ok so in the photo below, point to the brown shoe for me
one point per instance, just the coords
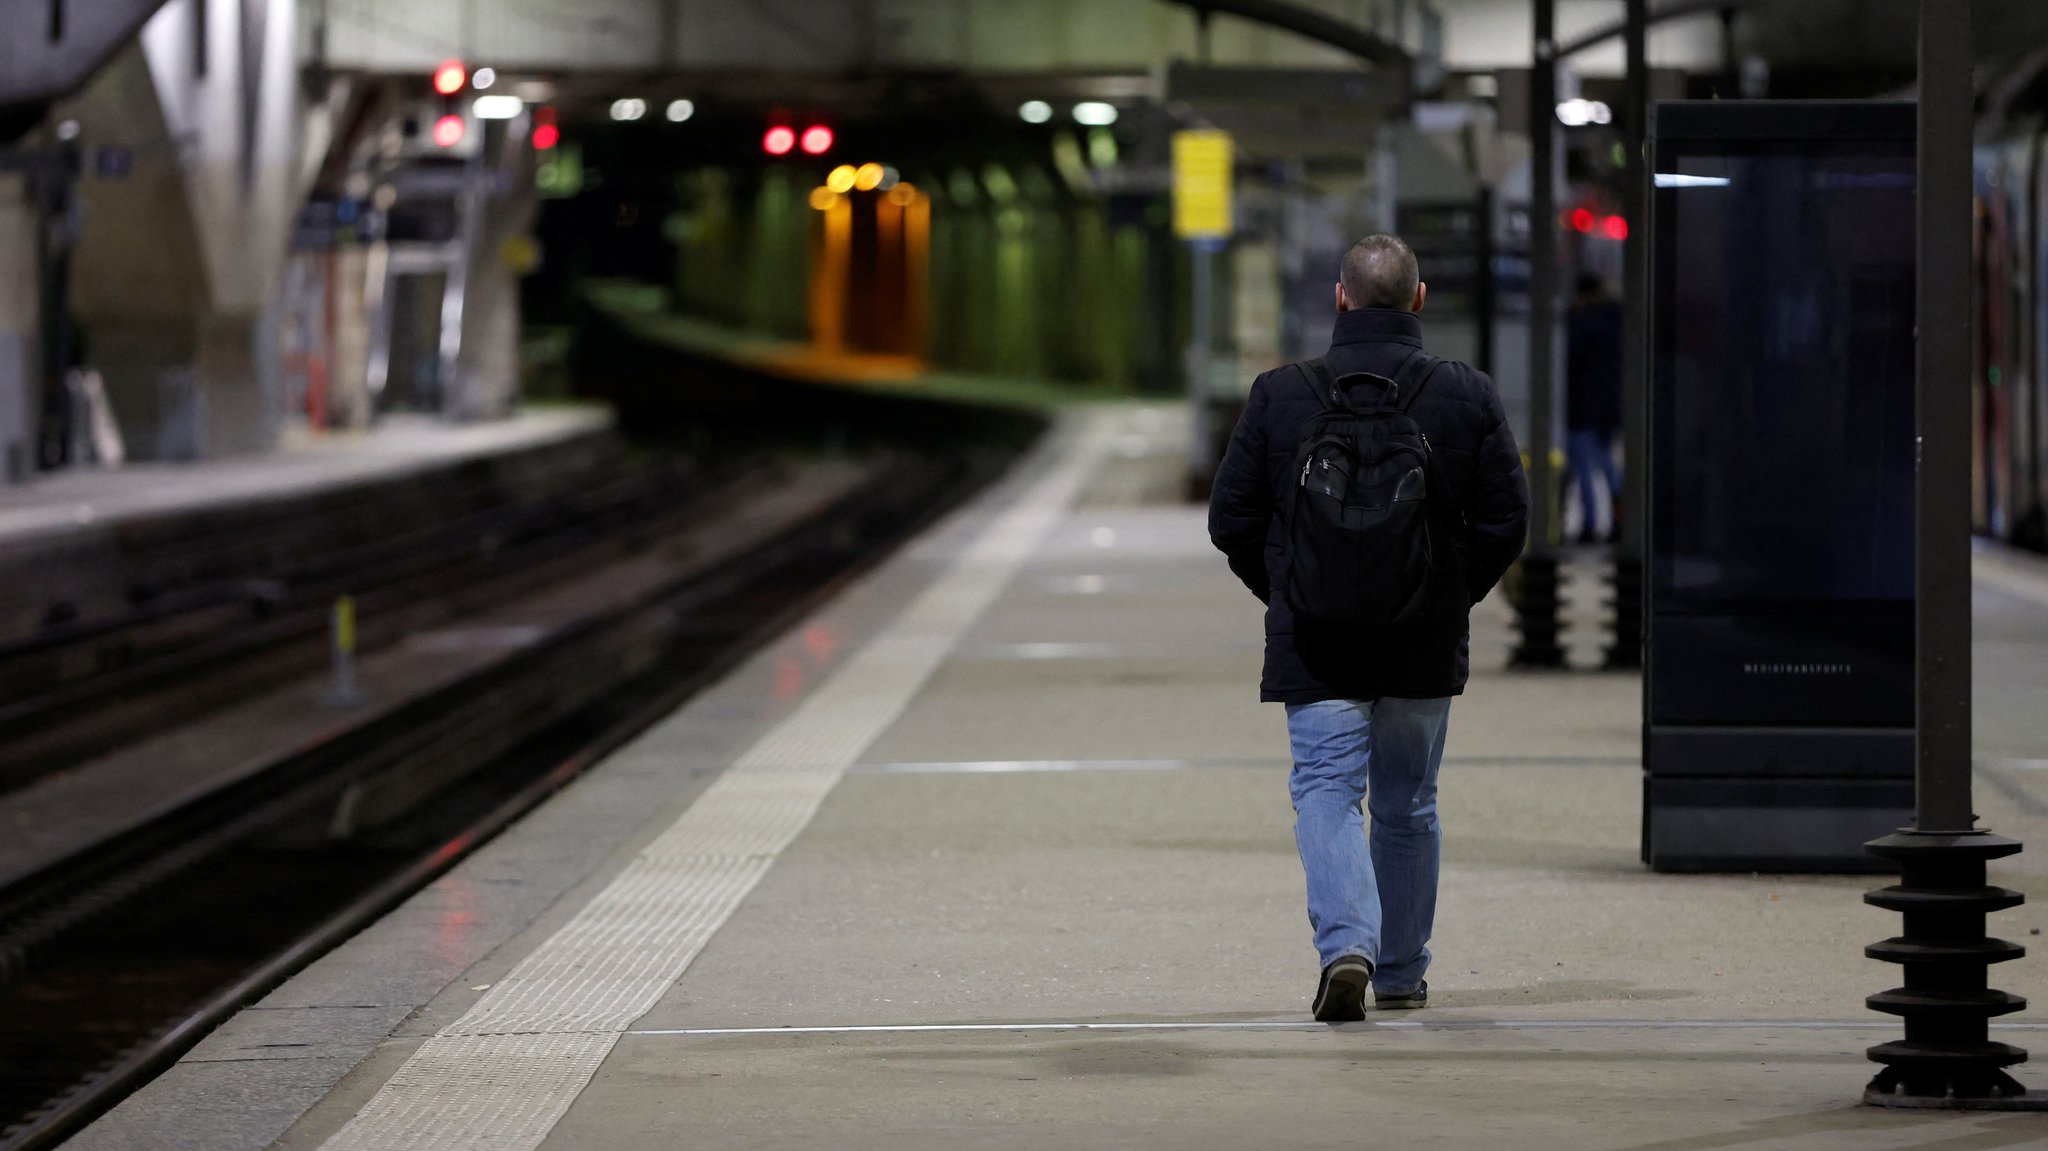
(1340, 997)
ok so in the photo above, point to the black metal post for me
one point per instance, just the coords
(1947, 1059)
(1942, 635)
(1731, 63)
(53, 181)
(1485, 289)
(1634, 505)
(1536, 588)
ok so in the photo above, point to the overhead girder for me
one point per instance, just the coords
(50, 48)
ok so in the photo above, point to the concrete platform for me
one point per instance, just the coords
(303, 464)
(995, 851)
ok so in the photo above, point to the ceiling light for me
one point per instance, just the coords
(1094, 113)
(1576, 113)
(497, 107)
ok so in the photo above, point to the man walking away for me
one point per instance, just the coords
(1369, 497)
(1592, 400)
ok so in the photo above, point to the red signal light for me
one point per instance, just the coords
(546, 136)
(450, 77)
(448, 130)
(1582, 220)
(817, 139)
(779, 140)
(1614, 228)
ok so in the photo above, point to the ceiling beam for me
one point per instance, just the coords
(1305, 21)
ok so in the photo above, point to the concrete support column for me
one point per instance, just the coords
(488, 378)
(229, 375)
(500, 247)
(19, 317)
(348, 381)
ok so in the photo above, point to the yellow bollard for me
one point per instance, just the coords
(343, 692)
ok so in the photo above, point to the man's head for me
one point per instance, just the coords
(1380, 272)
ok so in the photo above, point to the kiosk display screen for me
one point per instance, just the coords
(1781, 565)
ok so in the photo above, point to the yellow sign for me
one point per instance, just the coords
(1201, 185)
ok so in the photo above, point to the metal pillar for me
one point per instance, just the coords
(1202, 458)
(1634, 508)
(1485, 290)
(53, 186)
(1535, 599)
(1731, 61)
(1947, 1059)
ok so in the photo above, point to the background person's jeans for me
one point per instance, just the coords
(1381, 902)
(1592, 453)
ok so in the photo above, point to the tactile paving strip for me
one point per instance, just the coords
(501, 1076)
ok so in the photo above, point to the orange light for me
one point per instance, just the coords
(817, 140)
(1614, 228)
(779, 140)
(823, 197)
(869, 177)
(902, 195)
(448, 130)
(1582, 220)
(546, 136)
(450, 77)
(841, 179)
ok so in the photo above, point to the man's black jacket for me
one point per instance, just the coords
(1476, 488)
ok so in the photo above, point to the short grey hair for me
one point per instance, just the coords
(1380, 272)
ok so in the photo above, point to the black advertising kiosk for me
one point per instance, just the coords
(1778, 693)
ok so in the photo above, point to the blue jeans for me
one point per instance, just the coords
(1376, 900)
(1592, 453)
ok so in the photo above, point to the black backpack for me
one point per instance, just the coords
(1359, 547)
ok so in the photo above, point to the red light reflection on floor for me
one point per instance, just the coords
(819, 643)
(454, 929)
(789, 678)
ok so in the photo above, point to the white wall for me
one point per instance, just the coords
(411, 35)
(1482, 34)
(985, 35)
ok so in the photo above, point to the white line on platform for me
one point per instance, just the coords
(1045, 650)
(1399, 1024)
(1008, 766)
(1014, 766)
(502, 1076)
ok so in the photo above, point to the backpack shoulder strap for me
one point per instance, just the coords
(1412, 377)
(1321, 383)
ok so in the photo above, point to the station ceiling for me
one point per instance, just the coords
(1091, 37)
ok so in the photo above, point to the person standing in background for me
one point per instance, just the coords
(1593, 369)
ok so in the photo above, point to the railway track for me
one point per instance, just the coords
(116, 960)
(204, 630)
